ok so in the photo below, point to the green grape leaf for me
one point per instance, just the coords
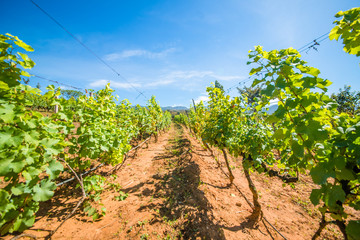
(353, 229)
(49, 144)
(32, 137)
(27, 63)
(279, 133)
(313, 71)
(4, 200)
(17, 165)
(18, 189)
(345, 174)
(280, 112)
(7, 113)
(334, 194)
(255, 70)
(54, 169)
(257, 81)
(6, 138)
(272, 119)
(5, 166)
(315, 196)
(297, 149)
(45, 191)
(21, 43)
(334, 35)
(280, 82)
(269, 90)
(320, 173)
(24, 221)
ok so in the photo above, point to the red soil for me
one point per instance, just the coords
(177, 191)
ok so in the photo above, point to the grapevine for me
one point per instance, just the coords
(306, 131)
(32, 145)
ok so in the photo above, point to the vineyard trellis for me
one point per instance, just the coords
(306, 131)
(34, 148)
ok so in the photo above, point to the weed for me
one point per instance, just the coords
(145, 236)
(304, 205)
(142, 223)
(122, 196)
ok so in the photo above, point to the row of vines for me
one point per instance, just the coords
(37, 151)
(305, 134)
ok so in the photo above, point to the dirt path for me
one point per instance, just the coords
(177, 191)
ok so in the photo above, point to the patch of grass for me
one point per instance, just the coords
(305, 205)
(145, 236)
(122, 196)
(142, 223)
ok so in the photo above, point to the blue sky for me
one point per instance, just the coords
(173, 49)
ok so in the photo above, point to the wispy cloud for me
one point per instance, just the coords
(202, 75)
(139, 53)
(114, 84)
(163, 82)
(185, 80)
(124, 85)
(188, 74)
(194, 80)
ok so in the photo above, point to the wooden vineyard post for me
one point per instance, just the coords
(194, 105)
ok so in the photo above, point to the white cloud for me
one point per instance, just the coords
(138, 53)
(124, 85)
(113, 84)
(227, 78)
(201, 75)
(185, 80)
(193, 80)
(177, 105)
(159, 83)
(273, 102)
(201, 98)
(188, 74)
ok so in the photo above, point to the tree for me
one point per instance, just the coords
(219, 86)
(348, 101)
(251, 93)
(67, 94)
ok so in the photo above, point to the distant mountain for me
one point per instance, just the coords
(174, 108)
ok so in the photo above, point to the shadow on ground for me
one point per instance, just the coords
(184, 207)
